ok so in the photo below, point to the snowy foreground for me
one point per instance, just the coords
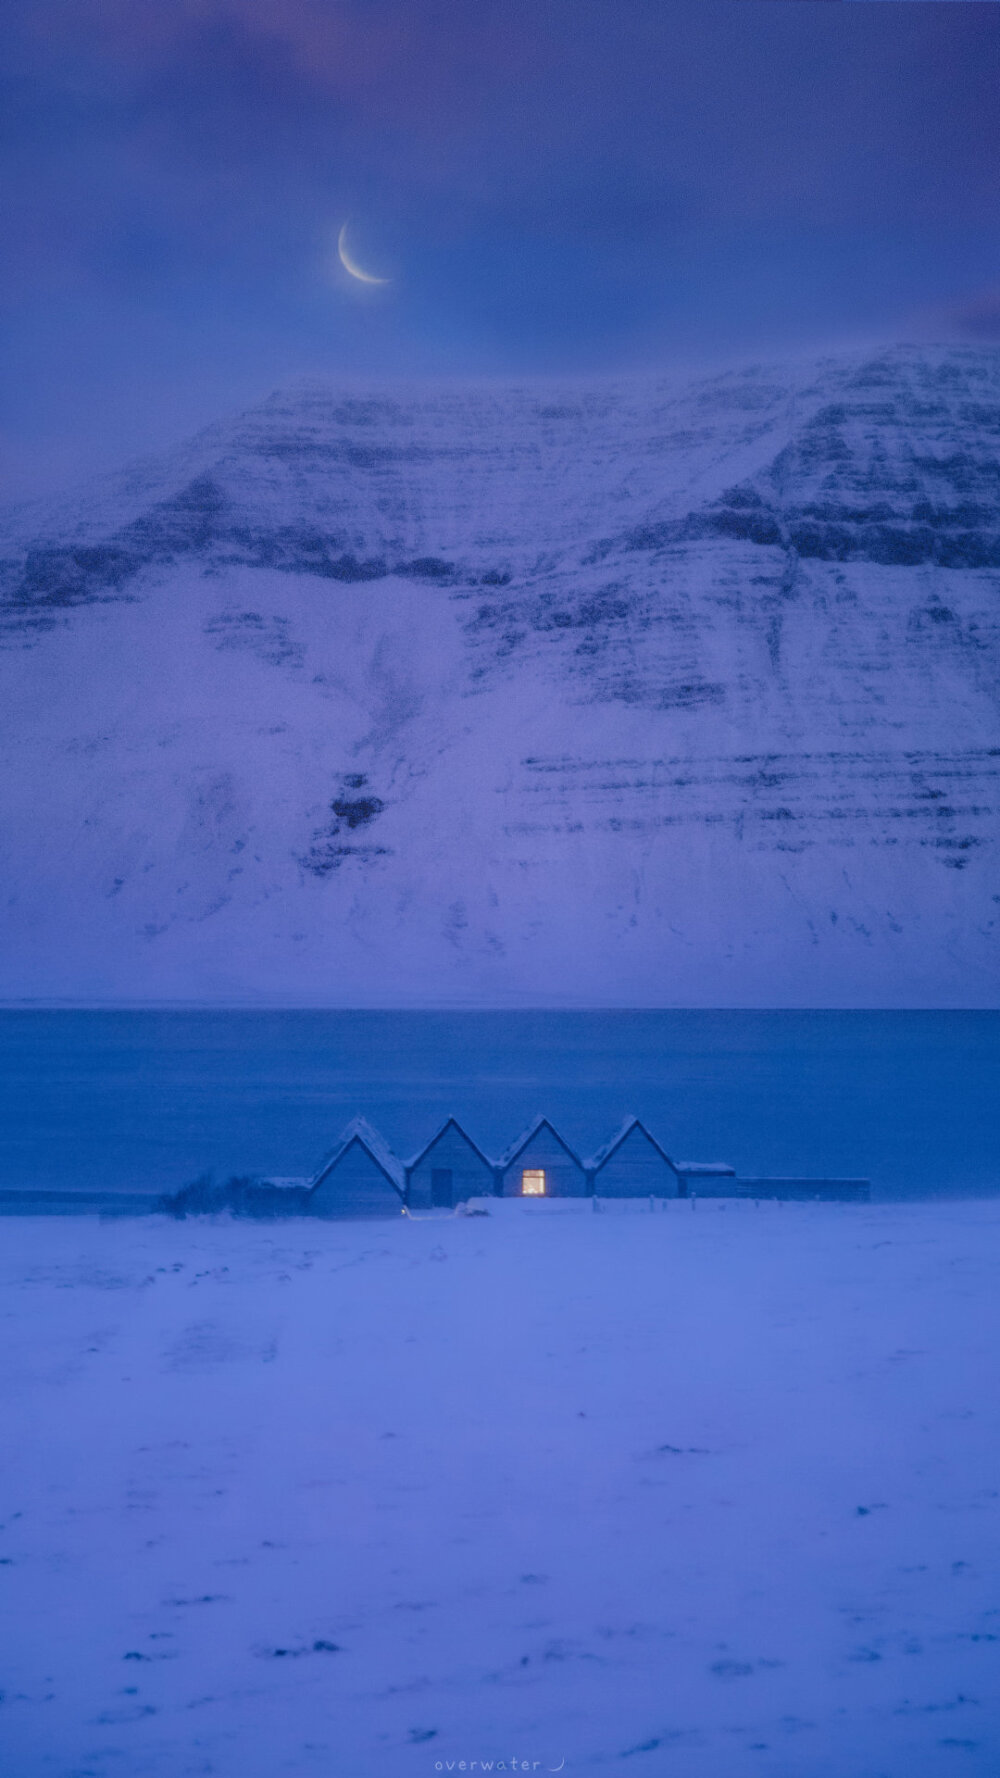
(701, 1492)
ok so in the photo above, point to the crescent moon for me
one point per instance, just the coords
(351, 265)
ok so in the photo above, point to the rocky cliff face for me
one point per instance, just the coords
(507, 694)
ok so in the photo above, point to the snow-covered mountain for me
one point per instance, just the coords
(523, 693)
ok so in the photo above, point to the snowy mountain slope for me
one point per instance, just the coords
(527, 693)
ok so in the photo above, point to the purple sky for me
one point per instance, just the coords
(552, 185)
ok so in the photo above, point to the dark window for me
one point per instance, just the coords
(441, 1187)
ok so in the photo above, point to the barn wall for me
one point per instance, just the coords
(355, 1187)
(843, 1191)
(562, 1178)
(636, 1170)
(708, 1185)
(472, 1178)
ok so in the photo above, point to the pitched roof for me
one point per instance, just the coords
(447, 1125)
(614, 1142)
(361, 1131)
(539, 1123)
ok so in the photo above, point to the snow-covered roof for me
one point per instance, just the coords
(539, 1123)
(607, 1149)
(449, 1121)
(795, 1179)
(360, 1130)
(705, 1167)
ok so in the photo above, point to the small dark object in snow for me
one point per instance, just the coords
(643, 1747)
(319, 1647)
(357, 811)
(422, 1734)
(437, 1253)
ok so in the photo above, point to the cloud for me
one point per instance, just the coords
(407, 57)
(557, 182)
(976, 317)
(760, 111)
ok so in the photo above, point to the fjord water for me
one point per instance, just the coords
(146, 1100)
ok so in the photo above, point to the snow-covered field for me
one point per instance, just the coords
(703, 1492)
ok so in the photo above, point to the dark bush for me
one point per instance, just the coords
(240, 1196)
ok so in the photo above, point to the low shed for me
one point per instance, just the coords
(632, 1164)
(361, 1177)
(450, 1169)
(705, 1179)
(833, 1191)
(541, 1165)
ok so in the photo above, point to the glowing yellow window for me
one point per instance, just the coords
(533, 1183)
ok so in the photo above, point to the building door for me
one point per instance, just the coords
(441, 1187)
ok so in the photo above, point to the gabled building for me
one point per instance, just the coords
(631, 1164)
(360, 1177)
(541, 1165)
(706, 1179)
(448, 1170)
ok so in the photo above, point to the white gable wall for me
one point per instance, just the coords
(471, 1176)
(563, 1178)
(636, 1170)
(355, 1186)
